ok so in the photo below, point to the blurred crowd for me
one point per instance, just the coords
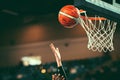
(99, 68)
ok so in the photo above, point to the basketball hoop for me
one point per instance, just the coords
(99, 31)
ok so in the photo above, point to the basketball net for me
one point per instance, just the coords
(99, 32)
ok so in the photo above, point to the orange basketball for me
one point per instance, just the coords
(64, 13)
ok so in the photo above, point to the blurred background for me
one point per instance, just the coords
(27, 27)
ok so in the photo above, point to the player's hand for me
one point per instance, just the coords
(56, 54)
(57, 77)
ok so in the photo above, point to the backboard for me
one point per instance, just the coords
(106, 8)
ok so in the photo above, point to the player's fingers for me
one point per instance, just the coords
(52, 47)
(55, 51)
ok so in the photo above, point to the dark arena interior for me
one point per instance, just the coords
(27, 27)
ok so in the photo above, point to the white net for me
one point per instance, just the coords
(100, 32)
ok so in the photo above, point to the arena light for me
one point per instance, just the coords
(73, 71)
(43, 71)
(19, 76)
(31, 60)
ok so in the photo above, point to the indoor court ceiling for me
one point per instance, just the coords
(23, 7)
(10, 10)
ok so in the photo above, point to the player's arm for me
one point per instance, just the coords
(58, 60)
(56, 54)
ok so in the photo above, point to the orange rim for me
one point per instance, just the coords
(91, 18)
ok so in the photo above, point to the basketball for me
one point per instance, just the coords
(67, 16)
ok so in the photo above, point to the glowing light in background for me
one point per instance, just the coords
(43, 71)
(31, 60)
(19, 76)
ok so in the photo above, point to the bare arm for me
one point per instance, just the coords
(62, 74)
(56, 54)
